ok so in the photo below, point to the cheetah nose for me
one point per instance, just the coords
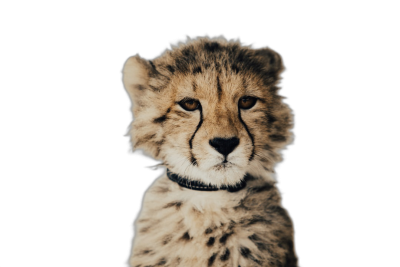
(224, 145)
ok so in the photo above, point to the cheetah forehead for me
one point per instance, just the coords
(203, 64)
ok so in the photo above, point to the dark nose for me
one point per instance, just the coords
(224, 145)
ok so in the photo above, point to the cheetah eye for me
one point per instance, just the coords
(189, 104)
(247, 102)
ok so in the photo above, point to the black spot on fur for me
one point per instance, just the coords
(208, 231)
(154, 88)
(210, 241)
(152, 64)
(219, 89)
(197, 70)
(235, 68)
(212, 46)
(232, 224)
(277, 138)
(162, 262)
(194, 85)
(144, 229)
(261, 246)
(225, 256)
(245, 252)
(212, 259)
(290, 255)
(286, 243)
(181, 65)
(193, 160)
(146, 251)
(139, 87)
(186, 237)
(160, 119)
(166, 239)
(170, 69)
(176, 204)
(144, 139)
(271, 119)
(225, 237)
(254, 237)
(263, 188)
(254, 220)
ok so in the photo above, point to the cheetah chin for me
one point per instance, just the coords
(210, 111)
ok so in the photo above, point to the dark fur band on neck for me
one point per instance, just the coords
(200, 186)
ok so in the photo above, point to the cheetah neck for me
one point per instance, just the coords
(200, 186)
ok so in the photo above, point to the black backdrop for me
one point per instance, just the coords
(107, 182)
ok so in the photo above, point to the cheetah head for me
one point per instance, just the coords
(209, 110)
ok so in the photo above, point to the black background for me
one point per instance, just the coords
(106, 182)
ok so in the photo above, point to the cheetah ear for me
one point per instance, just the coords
(273, 65)
(136, 75)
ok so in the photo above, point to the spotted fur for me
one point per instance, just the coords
(183, 227)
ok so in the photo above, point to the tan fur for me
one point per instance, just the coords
(177, 225)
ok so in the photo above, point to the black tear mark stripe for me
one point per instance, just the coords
(193, 159)
(197, 128)
(250, 135)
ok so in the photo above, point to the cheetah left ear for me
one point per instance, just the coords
(136, 76)
(272, 61)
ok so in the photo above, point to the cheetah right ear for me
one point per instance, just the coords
(136, 75)
(273, 65)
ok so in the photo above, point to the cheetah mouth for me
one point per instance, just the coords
(224, 165)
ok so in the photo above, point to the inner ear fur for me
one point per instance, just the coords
(136, 75)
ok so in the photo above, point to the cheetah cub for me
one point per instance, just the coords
(209, 109)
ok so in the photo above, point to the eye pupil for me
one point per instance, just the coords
(247, 102)
(189, 104)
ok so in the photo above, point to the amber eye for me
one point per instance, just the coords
(247, 102)
(189, 104)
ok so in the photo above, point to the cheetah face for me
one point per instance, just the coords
(209, 109)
